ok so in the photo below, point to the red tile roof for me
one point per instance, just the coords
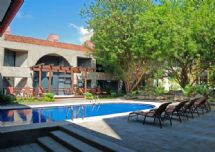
(29, 40)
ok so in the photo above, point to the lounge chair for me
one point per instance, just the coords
(189, 108)
(28, 92)
(175, 110)
(99, 91)
(41, 91)
(201, 104)
(155, 113)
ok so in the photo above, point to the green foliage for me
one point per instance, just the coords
(188, 90)
(113, 94)
(89, 96)
(147, 90)
(116, 45)
(202, 89)
(173, 31)
(212, 100)
(137, 37)
(25, 99)
(212, 76)
(47, 97)
(197, 89)
(134, 93)
(174, 85)
(6, 98)
(159, 90)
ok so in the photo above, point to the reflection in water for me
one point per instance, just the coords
(21, 116)
(29, 116)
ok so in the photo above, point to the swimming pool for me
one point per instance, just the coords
(49, 114)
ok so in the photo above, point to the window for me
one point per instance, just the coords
(84, 62)
(9, 58)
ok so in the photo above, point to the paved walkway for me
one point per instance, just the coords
(193, 135)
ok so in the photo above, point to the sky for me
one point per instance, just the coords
(39, 18)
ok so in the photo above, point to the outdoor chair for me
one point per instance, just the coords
(201, 104)
(10, 91)
(28, 92)
(155, 113)
(41, 91)
(189, 108)
(175, 110)
(82, 91)
(93, 91)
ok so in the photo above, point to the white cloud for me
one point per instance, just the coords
(85, 34)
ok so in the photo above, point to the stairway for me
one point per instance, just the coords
(34, 147)
(69, 139)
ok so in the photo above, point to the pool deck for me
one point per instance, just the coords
(191, 135)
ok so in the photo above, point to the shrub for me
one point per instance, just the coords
(212, 77)
(212, 100)
(48, 97)
(113, 94)
(159, 90)
(197, 89)
(202, 89)
(6, 98)
(146, 91)
(188, 90)
(174, 85)
(88, 96)
(23, 99)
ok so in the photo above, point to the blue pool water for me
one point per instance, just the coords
(47, 114)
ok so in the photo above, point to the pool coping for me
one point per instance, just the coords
(77, 103)
(4, 129)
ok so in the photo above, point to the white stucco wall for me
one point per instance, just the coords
(29, 54)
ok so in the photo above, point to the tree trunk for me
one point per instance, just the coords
(184, 79)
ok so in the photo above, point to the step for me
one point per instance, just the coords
(51, 145)
(24, 148)
(12, 149)
(36, 148)
(73, 143)
(93, 140)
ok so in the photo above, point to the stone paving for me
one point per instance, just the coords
(191, 135)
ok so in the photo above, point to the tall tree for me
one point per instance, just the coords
(133, 37)
(113, 22)
(182, 39)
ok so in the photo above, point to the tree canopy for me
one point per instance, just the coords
(114, 37)
(135, 37)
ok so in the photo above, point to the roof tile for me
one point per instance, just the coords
(29, 40)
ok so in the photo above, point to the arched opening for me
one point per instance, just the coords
(60, 82)
(53, 59)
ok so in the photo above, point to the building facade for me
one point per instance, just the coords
(19, 53)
